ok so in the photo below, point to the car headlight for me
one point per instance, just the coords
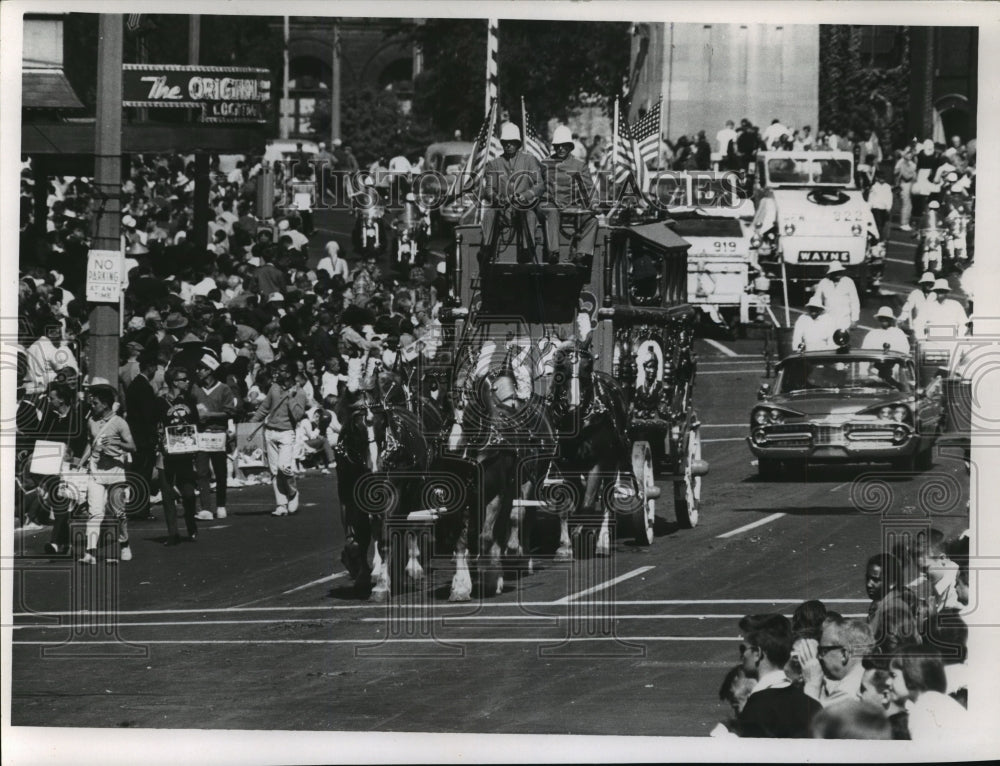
(885, 413)
(856, 230)
(789, 229)
(755, 241)
(900, 414)
(759, 417)
(775, 417)
(899, 434)
(759, 437)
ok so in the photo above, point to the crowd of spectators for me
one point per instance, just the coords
(900, 671)
(223, 331)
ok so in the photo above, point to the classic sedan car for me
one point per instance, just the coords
(847, 406)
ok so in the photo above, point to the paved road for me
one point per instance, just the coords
(257, 626)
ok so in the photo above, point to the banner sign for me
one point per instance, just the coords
(104, 276)
(224, 94)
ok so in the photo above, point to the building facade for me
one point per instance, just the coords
(710, 73)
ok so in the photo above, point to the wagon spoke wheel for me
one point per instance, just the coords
(644, 516)
(687, 489)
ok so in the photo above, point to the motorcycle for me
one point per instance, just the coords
(369, 213)
(930, 251)
(957, 240)
(412, 229)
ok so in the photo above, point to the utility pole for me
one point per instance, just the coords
(335, 87)
(201, 157)
(104, 317)
(282, 119)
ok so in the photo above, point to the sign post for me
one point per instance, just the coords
(104, 276)
(104, 319)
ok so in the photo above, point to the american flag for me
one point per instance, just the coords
(534, 144)
(486, 147)
(646, 134)
(623, 160)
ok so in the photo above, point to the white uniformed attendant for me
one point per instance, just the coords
(889, 335)
(839, 297)
(813, 330)
(942, 318)
(916, 300)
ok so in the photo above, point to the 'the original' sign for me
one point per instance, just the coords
(224, 94)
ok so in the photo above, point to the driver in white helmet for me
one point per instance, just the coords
(567, 185)
(514, 182)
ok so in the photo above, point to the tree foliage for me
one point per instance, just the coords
(374, 126)
(556, 66)
(853, 94)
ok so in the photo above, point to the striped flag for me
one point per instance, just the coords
(646, 134)
(486, 147)
(534, 144)
(624, 159)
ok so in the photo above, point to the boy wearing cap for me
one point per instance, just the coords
(889, 336)
(839, 296)
(216, 404)
(110, 441)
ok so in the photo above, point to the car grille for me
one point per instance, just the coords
(868, 432)
(825, 436)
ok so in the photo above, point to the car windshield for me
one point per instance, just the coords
(875, 374)
(809, 171)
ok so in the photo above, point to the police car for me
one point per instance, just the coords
(810, 214)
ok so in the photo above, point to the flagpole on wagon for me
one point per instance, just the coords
(614, 162)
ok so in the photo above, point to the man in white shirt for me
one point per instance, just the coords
(916, 300)
(773, 132)
(724, 136)
(835, 673)
(813, 331)
(839, 297)
(46, 356)
(888, 335)
(942, 317)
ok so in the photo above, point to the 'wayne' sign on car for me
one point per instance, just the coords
(224, 94)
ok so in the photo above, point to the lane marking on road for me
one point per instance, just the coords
(716, 345)
(441, 605)
(452, 622)
(726, 439)
(355, 641)
(320, 581)
(722, 425)
(752, 525)
(605, 585)
(900, 260)
(840, 486)
(729, 372)
(754, 360)
(911, 243)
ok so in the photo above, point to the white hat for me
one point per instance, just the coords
(510, 132)
(210, 361)
(442, 268)
(885, 313)
(835, 268)
(128, 222)
(561, 135)
(815, 303)
(928, 276)
(322, 145)
(941, 285)
(934, 204)
(337, 142)
(283, 224)
(276, 297)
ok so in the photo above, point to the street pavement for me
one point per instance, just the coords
(257, 626)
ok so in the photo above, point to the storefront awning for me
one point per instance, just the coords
(47, 89)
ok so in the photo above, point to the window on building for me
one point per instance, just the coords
(880, 47)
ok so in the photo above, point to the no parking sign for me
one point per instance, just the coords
(104, 276)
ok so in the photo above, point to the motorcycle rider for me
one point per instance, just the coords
(567, 184)
(513, 182)
(931, 235)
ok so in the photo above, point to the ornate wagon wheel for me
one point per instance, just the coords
(644, 516)
(687, 489)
